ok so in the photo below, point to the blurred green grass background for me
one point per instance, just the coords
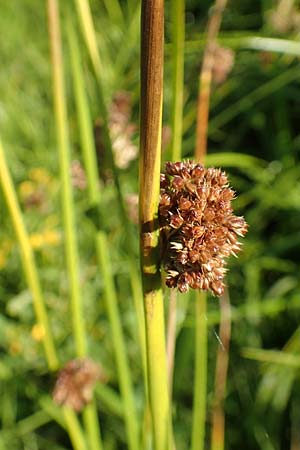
(254, 135)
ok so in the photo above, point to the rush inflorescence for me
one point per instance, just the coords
(198, 227)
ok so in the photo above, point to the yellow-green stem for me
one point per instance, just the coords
(70, 238)
(178, 32)
(87, 24)
(85, 121)
(200, 377)
(205, 78)
(124, 377)
(90, 162)
(218, 416)
(171, 337)
(74, 429)
(66, 189)
(28, 261)
(91, 425)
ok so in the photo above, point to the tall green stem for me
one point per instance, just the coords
(90, 162)
(152, 35)
(74, 429)
(28, 261)
(178, 32)
(86, 20)
(70, 238)
(200, 377)
(205, 78)
(118, 342)
(66, 189)
(218, 416)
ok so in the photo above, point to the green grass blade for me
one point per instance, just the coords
(28, 261)
(272, 356)
(253, 97)
(114, 11)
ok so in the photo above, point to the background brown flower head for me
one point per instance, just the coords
(75, 383)
(198, 227)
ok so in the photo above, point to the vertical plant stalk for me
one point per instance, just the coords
(152, 38)
(118, 342)
(86, 20)
(200, 381)
(89, 34)
(178, 34)
(64, 164)
(92, 427)
(74, 429)
(69, 223)
(171, 337)
(205, 80)
(90, 163)
(200, 377)
(137, 295)
(28, 261)
(218, 419)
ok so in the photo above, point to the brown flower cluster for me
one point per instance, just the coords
(198, 227)
(223, 64)
(75, 383)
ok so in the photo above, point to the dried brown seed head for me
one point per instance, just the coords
(198, 226)
(75, 383)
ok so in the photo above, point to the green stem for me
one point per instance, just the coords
(66, 191)
(157, 367)
(218, 415)
(118, 342)
(89, 155)
(70, 237)
(137, 293)
(85, 121)
(28, 261)
(152, 35)
(87, 24)
(74, 429)
(178, 32)
(200, 380)
(91, 424)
